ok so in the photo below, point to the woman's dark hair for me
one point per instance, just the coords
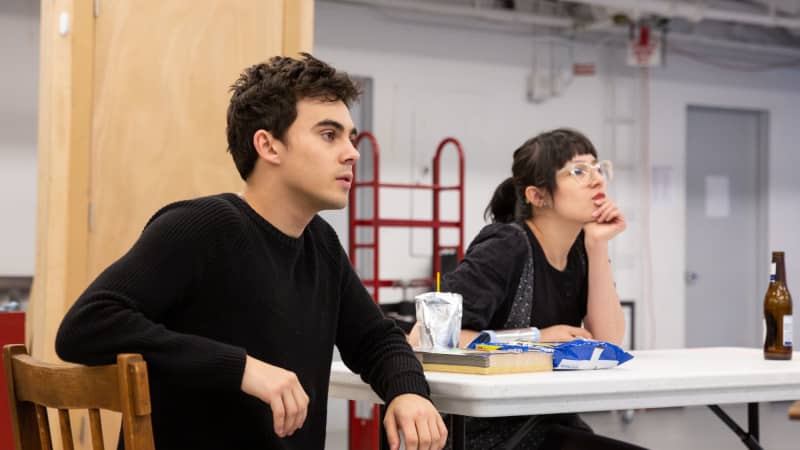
(535, 164)
(265, 98)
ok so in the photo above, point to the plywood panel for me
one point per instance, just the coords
(162, 73)
(298, 26)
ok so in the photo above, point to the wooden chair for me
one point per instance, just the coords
(794, 411)
(34, 386)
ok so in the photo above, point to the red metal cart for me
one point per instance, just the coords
(364, 421)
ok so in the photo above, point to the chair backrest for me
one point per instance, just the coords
(34, 386)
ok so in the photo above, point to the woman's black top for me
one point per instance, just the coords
(489, 274)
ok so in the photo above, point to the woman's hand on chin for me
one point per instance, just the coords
(607, 222)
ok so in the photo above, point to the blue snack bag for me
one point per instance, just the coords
(581, 354)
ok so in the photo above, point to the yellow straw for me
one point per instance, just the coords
(437, 282)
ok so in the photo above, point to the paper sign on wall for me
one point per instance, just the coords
(718, 198)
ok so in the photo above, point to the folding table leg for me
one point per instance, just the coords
(752, 419)
(457, 432)
(749, 438)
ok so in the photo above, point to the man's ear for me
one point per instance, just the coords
(268, 147)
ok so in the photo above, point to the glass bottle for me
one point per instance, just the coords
(778, 312)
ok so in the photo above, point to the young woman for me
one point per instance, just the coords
(543, 262)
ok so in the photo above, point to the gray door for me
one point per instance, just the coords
(726, 152)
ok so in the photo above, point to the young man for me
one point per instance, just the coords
(236, 301)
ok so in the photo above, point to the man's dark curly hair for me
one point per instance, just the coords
(265, 98)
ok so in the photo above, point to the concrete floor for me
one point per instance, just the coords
(678, 428)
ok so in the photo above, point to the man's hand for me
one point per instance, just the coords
(281, 390)
(562, 333)
(413, 336)
(418, 420)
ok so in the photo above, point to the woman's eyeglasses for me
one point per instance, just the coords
(582, 172)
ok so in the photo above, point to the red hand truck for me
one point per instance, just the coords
(364, 419)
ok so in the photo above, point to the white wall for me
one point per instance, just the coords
(19, 53)
(434, 81)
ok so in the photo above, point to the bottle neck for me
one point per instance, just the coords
(778, 272)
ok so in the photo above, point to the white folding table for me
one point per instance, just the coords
(653, 379)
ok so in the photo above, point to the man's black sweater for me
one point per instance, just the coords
(210, 281)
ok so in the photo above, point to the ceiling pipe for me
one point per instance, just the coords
(753, 48)
(492, 15)
(694, 12)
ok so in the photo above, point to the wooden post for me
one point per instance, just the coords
(65, 111)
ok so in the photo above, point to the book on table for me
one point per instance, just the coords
(484, 361)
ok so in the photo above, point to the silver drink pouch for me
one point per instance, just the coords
(439, 317)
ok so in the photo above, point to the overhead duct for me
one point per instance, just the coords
(620, 36)
(694, 12)
(601, 28)
(491, 15)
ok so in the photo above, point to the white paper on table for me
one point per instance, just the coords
(718, 198)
